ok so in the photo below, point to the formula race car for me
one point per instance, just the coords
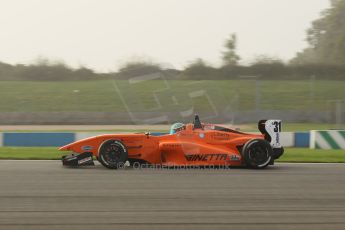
(195, 144)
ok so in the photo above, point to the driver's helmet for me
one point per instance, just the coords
(176, 127)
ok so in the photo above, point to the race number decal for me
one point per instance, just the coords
(273, 128)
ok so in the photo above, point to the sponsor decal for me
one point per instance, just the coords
(220, 136)
(70, 159)
(84, 160)
(206, 157)
(87, 148)
(172, 145)
(234, 158)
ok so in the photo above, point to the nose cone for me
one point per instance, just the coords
(65, 148)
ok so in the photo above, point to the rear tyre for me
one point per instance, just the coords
(112, 154)
(257, 153)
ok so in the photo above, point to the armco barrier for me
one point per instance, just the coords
(288, 139)
(327, 139)
(37, 139)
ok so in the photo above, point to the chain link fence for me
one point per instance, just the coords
(158, 99)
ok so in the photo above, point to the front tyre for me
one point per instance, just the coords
(112, 154)
(257, 153)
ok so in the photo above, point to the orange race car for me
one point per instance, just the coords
(186, 145)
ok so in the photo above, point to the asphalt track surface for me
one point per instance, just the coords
(44, 195)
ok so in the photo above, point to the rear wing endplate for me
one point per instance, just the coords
(271, 130)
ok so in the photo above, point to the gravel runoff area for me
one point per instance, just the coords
(44, 195)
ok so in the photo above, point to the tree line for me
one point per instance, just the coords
(197, 70)
(44, 71)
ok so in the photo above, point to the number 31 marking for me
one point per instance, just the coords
(278, 126)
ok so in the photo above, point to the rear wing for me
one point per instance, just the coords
(271, 130)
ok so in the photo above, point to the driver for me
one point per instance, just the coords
(176, 127)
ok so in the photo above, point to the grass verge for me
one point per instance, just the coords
(305, 155)
(30, 153)
(290, 155)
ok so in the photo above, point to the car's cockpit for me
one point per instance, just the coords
(177, 127)
(180, 126)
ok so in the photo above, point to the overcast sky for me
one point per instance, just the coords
(103, 34)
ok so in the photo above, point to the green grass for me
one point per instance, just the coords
(313, 156)
(30, 153)
(172, 95)
(290, 155)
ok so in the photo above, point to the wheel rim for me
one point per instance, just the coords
(112, 154)
(259, 155)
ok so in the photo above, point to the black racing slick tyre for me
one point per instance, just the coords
(257, 153)
(112, 154)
